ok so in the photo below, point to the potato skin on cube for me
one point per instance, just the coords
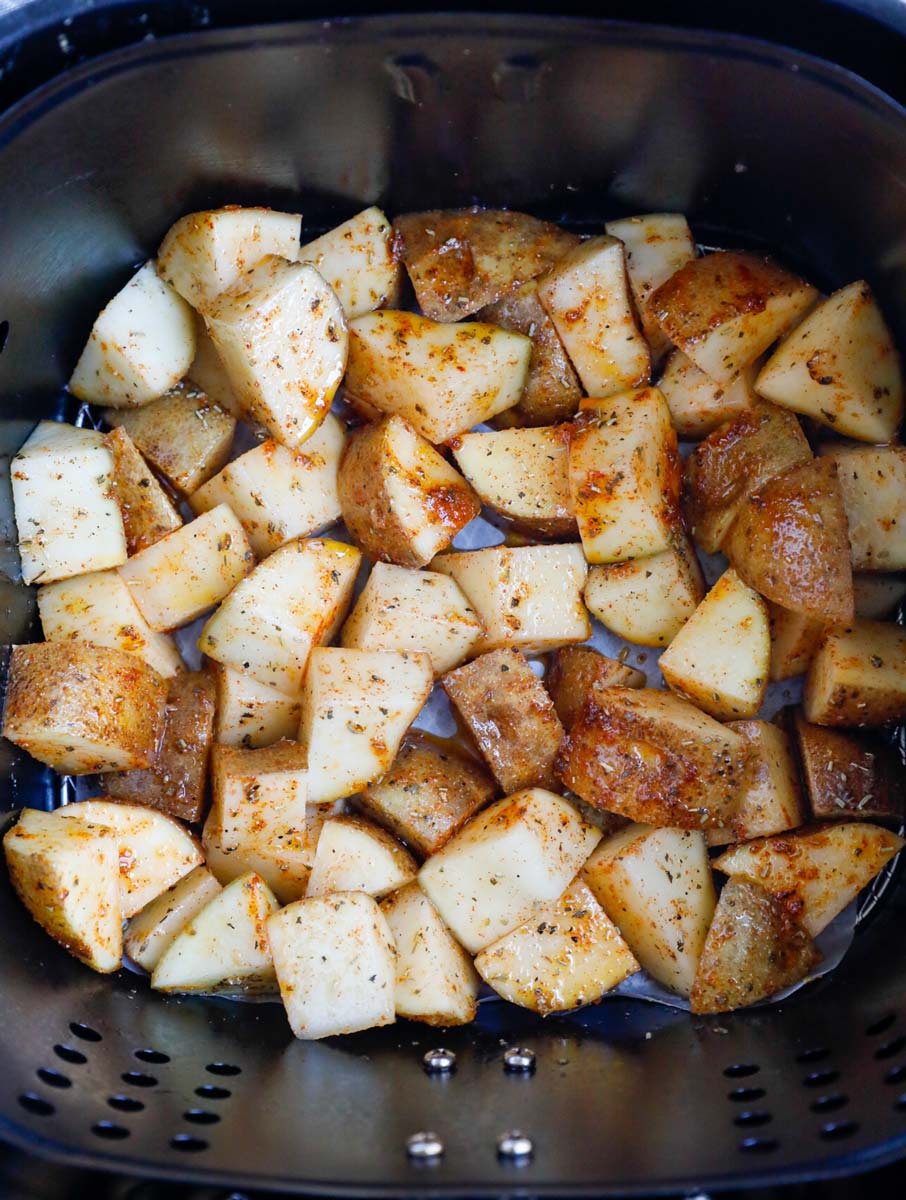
(148, 512)
(576, 672)
(858, 676)
(849, 776)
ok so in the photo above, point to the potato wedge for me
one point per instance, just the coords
(250, 713)
(771, 801)
(208, 373)
(848, 776)
(151, 931)
(878, 596)
(356, 259)
(577, 672)
(355, 856)
(699, 404)
(858, 676)
(148, 512)
(794, 640)
(873, 482)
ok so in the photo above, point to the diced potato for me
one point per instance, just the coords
(429, 793)
(224, 948)
(292, 601)
(175, 782)
(719, 659)
(847, 776)
(250, 713)
(653, 757)
(698, 404)
(509, 713)
(794, 640)
(83, 709)
(207, 372)
(569, 953)
(647, 600)
(141, 344)
(723, 310)
(754, 949)
(403, 609)
(67, 516)
(184, 435)
(460, 259)
(148, 512)
(878, 596)
(656, 886)
(67, 876)
(527, 597)
(771, 801)
(336, 964)
(873, 482)
(442, 379)
(840, 367)
(356, 707)
(815, 871)
(587, 296)
(858, 676)
(355, 856)
(281, 336)
(522, 475)
(401, 500)
(577, 672)
(280, 494)
(358, 262)
(154, 929)
(732, 463)
(205, 253)
(190, 570)
(285, 869)
(435, 980)
(790, 542)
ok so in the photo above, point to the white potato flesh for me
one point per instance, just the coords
(355, 856)
(873, 483)
(224, 947)
(67, 516)
(527, 597)
(698, 403)
(289, 603)
(151, 931)
(336, 964)
(356, 707)
(207, 372)
(587, 296)
(656, 886)
(279, 494)
(569, 953)
(281, 336)
(99, 608)
(404, 609)
(190, 570)
(771, 801)
(358, 262)
(818, 871)
(285, 870)
(840, 367)
(858, 676)
(250, 713)
(878, 596)
(794, 640)
(441, 378)
(260, 800)
(205, 253)
(67, 876)
(521, 851)
(141, 344)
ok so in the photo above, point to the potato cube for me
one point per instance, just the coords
(207, 372)
(576, 672)
(873, 482)
(151, 931)
(358, 262)
(355, 856)
(250, 713)
(849, 777)
(858, 676)
(771, 800)
(878, 596)
(285, 868)
(148, 512)
(794, 640)
(698, 404)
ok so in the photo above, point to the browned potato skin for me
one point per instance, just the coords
(148, 513)
(754, 949)
(175, 782)
(461, 259)
(848, 776)
(858, 676)
(791, 543)
(512, 718)
(577, 672)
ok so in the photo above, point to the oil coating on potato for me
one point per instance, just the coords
(771, 801)
(849, 776)
(795, 637)
(858, 676)
(354, 855)
(357, 260)
(577, 672)
(698, 404)
(148, 512)
(873, 482)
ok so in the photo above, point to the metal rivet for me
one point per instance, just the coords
(515, 1146)
(425, 1146)
(439, 1062)
(519, 1058)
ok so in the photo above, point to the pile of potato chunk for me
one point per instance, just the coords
(275, 819)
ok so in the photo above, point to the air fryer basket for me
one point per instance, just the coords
(568, 119)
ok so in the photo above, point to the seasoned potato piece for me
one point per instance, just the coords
(141, 344)
(699, 404)
(284, 868)
(148, 512)
(656, 886)
(526, 597)
(355, 856)
(429, 793)
(790, 542)
(250, 713)
(577, 672)
(81, 708)
(435, 980)
(151, 931)
(858, 676)
(293, 600)
(357, 260)
(847, 776)
(442, 379)
(520, 852)
(725, 309)
(873, 482)
(67, 876)
(460, 259)
(771, 800)
(878, 596)
(719, 659)
(732, 463)
(569, 953)
(794, 640)
(207, 372)
(260, 800)
(840, 367)
(653, 757)
(401, 500)
(402, 609)
(522, 475)
(336, 964)
(815, 871)
(280, 494)
(190, 570)
(175, 782)
(67, 516)
(506, 708)
(753, 950)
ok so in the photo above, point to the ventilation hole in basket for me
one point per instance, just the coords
(896, 1074)
(743, 1094)
(110, 1131)
(208, 1091)
(138, 1079)
(890, 1049)
(838, 1130)
(757, 1145)
(188, 1143)
(222, 1068)
(820, 1078)
(815, 1054)
(85, 1032)
(881, 1025)
(68, 1054)
(753, 1118)
(53, 1078)
(200, 1116)
(125, 1104)
(740, 1070)
(152, 1056)
(4, 335)
(36, 1104)
(826, 1104)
